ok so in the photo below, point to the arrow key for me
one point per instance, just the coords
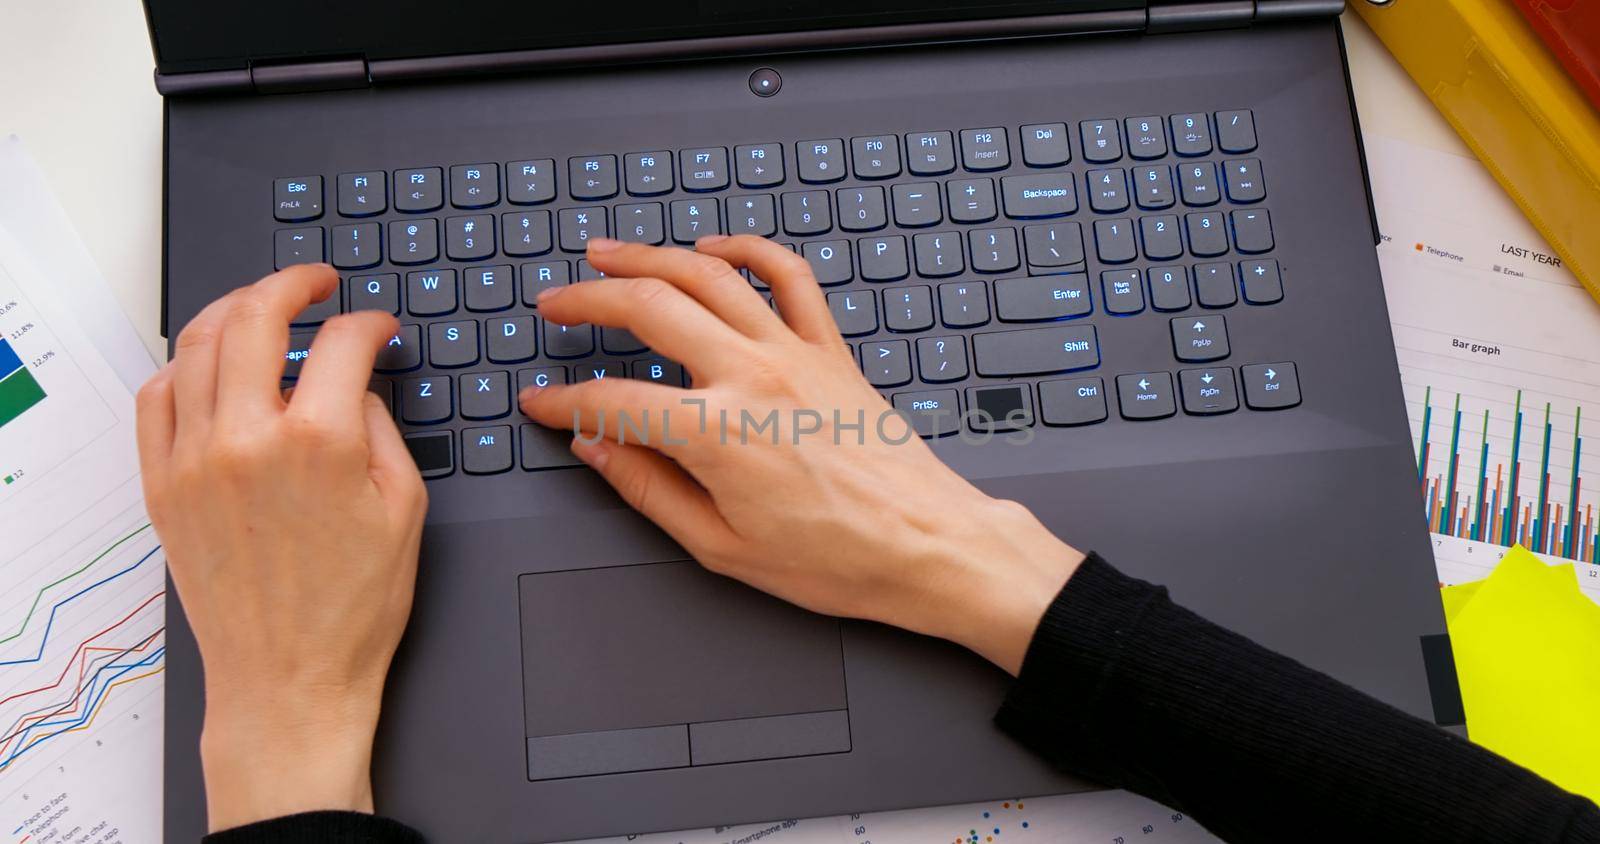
(1200, 338)
(1208, 391)
(1270, 386)
(1146, 395)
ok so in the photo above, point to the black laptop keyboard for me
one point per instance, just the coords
(965, 267)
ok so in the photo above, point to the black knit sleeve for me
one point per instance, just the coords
(1122, 686)
(319, 828)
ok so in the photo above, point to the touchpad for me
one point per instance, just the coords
(666, 665)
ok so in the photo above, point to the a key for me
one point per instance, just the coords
(1198, 182)
(830, 261)
(641, 223)
(297, 199)
(941, 359)
(1035, 351)
(1191, 135)
(1072, 401)
(1162, 240)
(1252, 230)
(1044, 195)
(433, 452)
(568, 341)
(511, 339)
(545, 448)
(971, 200)
(754, 214)
(693, 219)
(1208, 234)
(1101, 142)
(490, 288)
(1236, 131)
(1244, 182)
(998, 409)
(431, 292)
(1053, 245)
(758, 165)
(855, 311)
(525, 233)
(1122, 292)
(820, 162)
(485, 395)
(1261, 281)
(299, 349)
(1270, 386)
(883, 258)
(539, 275)
(964, 304)
(930, 153)
(402, 352)
(474, 185)
(994, 250)
(932, 413)
(1152, 187)
(592, 176)
(1207, 392)
(413, 241)
(1214, 286)
(876, 156)
(806, 212)
(418, 189)
(862, 209)
(1045, 145)
(469, 238)
(296, 246)
(317, 313)
(579, 224)
(453, 344)
(1108, 190)
(660, 371)
(1147, 137)
(939, 254)
(540, 377)
(1169, 288)
(587, 271)
(426, 401)
(363, 194)
(648, 173)
(531, 182)
(597, 370)
(703, 169)
(620, 341)
(886, 363)
(1146, 395)
(1200, 338)
(1113, 241)
(486, 451)
(1042, 298)
(908, 309)
(916, 204)
(985, 149)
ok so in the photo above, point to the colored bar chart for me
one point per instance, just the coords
(19, 390)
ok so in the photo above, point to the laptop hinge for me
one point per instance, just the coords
(274, 78)
(1191, 15)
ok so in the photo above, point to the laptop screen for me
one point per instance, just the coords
(192, 35)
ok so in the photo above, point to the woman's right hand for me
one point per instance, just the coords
(839, 508)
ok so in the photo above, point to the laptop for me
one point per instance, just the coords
(1136, 234)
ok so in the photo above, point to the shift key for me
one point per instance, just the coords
(1036, 351)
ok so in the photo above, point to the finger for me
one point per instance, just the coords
(338, 368)
(617, 408)
(255, 336)
(659, 314)
(389, 462)
(794, 287)
(194, 369)
(661, 491)
(155, 424)
(709, 280)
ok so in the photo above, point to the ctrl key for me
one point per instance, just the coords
(1270, 386)
(932, 413)
(434, 453)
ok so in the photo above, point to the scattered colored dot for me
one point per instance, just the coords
(1024, 824)
(997, 830)
(986, 814)
(1019, 805)
(1006, 805)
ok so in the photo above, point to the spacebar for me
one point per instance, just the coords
(1036, 351)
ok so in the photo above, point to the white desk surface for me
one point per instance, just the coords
(75, 84)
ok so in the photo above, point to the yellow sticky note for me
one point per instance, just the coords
(1527, 651)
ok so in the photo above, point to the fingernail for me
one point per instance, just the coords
(603, 244)
(595, 454)
(710, 240)
(547, 293)
(528, 393)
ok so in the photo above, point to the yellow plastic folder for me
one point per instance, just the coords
(1491, 76)
(1527, 651)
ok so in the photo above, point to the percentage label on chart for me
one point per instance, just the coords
(40, 359)
(21, 330)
